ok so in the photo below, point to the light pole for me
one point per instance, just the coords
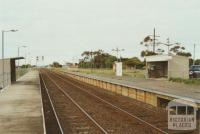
(3, 32)
(19, 52)
(26, 57)
(29, 59)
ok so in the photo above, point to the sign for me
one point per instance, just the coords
(181, 115)
(118, 68)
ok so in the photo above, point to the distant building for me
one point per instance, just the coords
(70, 65)
(167, 66)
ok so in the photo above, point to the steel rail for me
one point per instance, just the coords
(54, 111)
(68, 96)
(42, 109)
(89, 85)
(112, 105)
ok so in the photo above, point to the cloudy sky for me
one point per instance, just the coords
(61, 29)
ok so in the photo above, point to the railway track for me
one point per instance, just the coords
(64, 114)
(100, 114)
(155, 116)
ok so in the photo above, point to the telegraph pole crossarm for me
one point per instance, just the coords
(168, 44)
(117, 50)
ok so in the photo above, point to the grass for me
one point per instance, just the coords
(186, 81)
(108, 72)
(135, 73)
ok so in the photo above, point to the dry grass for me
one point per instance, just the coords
(107, 72)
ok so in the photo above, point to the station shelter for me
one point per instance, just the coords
(167, 66)
(8, 66)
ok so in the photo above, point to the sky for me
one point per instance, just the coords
(60, 30)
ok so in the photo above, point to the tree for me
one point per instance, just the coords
(177, 49)
(26, 66)
(56, 65)
(133, 62)
(186, 54)
(97, 59)
(147, 41)
(147, 53)
(87, 55)
(197, 62)
(160, 51)
(180, 50)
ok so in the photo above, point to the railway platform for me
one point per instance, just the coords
(155, 92)
(164, 87)
(21, 107)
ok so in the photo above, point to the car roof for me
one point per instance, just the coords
(195, 65)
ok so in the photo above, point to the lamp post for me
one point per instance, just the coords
(19, 52)
(3, 32)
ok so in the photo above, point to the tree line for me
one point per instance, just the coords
(101, 59)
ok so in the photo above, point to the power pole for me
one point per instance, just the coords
(117, 50)
(194, 54)
(37, 59)
(168, 44)
(43, 61)
(154, 40)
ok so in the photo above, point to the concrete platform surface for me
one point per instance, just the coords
(162, 87)
(21, 107)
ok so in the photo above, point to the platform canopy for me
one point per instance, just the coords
(16, 58)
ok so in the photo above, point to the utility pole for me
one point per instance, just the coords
(194, 54)
(2, 59)
(151, 39)
(43, 61)
(168, 44)
(117, 50)
(37, 59)
(154, 40)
